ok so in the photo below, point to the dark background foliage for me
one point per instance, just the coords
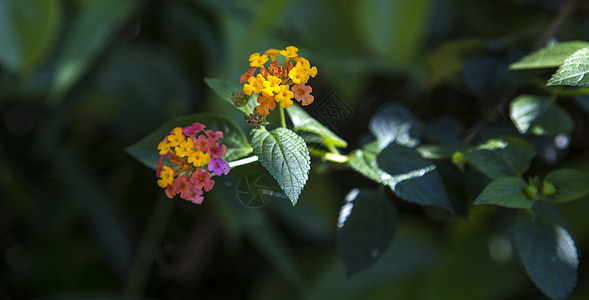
(80, 80)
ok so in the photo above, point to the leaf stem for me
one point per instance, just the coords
(282, 119)
(329, 156)
(243, 161)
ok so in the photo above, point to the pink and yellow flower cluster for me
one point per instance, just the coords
(193, 153)
(276, 83)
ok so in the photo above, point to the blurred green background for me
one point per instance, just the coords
(80, 80)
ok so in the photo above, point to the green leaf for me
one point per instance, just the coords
(505, 156)
(573, 71)
(27, 31)
(364, 162)
(395, 123)
(549, 57)
(366, 226)
(225, 89)
(549, 256)
(506, 192)
(539, 116)
(303, 121)
(285, 155)
(412, 177)
(86, 37)
(568, 185)
(237, 145)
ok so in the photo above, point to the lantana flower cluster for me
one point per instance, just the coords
(275, 83)
(195, 156)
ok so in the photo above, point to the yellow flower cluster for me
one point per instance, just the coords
(278, 83)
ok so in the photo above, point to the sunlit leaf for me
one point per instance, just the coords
(573, 71)
(549, 57)
(395, 123)
(539, 116)
(285, 155)
(367, 223)
(364, 162)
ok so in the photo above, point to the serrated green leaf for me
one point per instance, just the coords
(285, 155)
(27, 31)
(303, 121)
(506, 192)
(569, 185)
(225, 89)
(505, 156)
(549, 57)
(412, 177)
(237, 145)
(86, 38)
(539, 116)
(573, 71)
(366, 225)
(395, 123)
(549, 256)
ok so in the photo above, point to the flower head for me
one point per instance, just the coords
(187, 157)
(277, 83)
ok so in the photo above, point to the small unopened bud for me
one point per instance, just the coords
(256, 119)
(240, 98)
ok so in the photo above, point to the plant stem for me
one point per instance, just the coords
(243, 161)
(282, 119)
(329, 156)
